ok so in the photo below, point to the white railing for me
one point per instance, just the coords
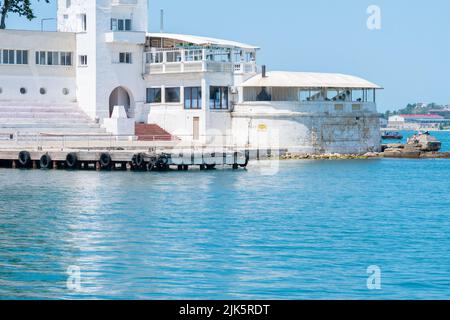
(123, 2)
(158, 62)
(306, 107)
(200, 66)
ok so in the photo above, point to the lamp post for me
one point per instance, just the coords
(43, 20)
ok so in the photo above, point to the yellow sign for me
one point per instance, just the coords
(262, 127)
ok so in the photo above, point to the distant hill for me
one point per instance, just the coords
(416, 108)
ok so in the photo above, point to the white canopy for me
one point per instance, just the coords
(202, 41)
(309, 81)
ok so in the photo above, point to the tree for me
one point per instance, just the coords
(20, 7)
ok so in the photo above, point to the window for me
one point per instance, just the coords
(193, 98)
(194, 55)
(21, 57)
(82, 22)
(42, 91)
(53, 58)
(23, 90)
(8, 57)
(65, 91)
(125, 57)
(121, 24)
(68, 3)
(66, 58)
(14, 56)
(172, 95)
(155, 57)
(218, 99)
(174, 56)
(82, 60)
(153, 95)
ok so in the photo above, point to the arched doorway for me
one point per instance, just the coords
(119, 97)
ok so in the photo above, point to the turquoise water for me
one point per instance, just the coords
(308, 232)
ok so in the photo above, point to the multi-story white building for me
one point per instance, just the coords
(201, 89)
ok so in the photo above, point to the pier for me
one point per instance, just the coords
(119, 159)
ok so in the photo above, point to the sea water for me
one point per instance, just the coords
(278, 230)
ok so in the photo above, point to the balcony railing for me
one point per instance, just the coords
(186, 61)
(200, 66)
(123, 2)
(327, 107)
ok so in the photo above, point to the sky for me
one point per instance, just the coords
(409, 56)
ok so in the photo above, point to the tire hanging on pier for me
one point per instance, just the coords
(138, 160)
(45, 162)
(105, 160)
(24, 158)
(72, 161)
(163, 162)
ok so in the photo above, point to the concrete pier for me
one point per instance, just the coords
(142, 160)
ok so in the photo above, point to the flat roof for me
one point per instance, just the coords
(203, 41)
(309, 80)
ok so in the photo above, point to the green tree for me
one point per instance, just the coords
(19, 7)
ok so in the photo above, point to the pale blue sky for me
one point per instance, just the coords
(409, 56)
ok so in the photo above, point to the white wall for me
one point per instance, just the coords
(33, 77)
(306, 129)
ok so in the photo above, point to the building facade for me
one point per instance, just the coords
(197, 89)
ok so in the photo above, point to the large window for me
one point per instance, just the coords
(53, 58)
(153, 95)
(193, 98)
(172, 95)
(13, 56)
(218, 99)
(121, 24)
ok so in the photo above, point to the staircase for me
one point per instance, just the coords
(27, 118)
(152, 132)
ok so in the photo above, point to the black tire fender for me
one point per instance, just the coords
(71, 160)
(24, 158)
(45, 162)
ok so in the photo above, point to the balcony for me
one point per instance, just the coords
(188, 61)
(129, 37)
(123, 2)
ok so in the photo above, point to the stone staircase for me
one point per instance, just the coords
(25, 118)
(152, 132)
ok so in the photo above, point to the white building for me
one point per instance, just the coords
(195, 88)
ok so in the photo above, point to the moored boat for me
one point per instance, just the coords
(392, 135)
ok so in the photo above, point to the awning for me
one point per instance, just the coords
(202, 41)
(307, 80)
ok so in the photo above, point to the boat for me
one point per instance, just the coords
(392, 135)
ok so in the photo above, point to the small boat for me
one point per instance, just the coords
(392, 135)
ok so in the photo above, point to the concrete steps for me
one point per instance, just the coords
(28, 118)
